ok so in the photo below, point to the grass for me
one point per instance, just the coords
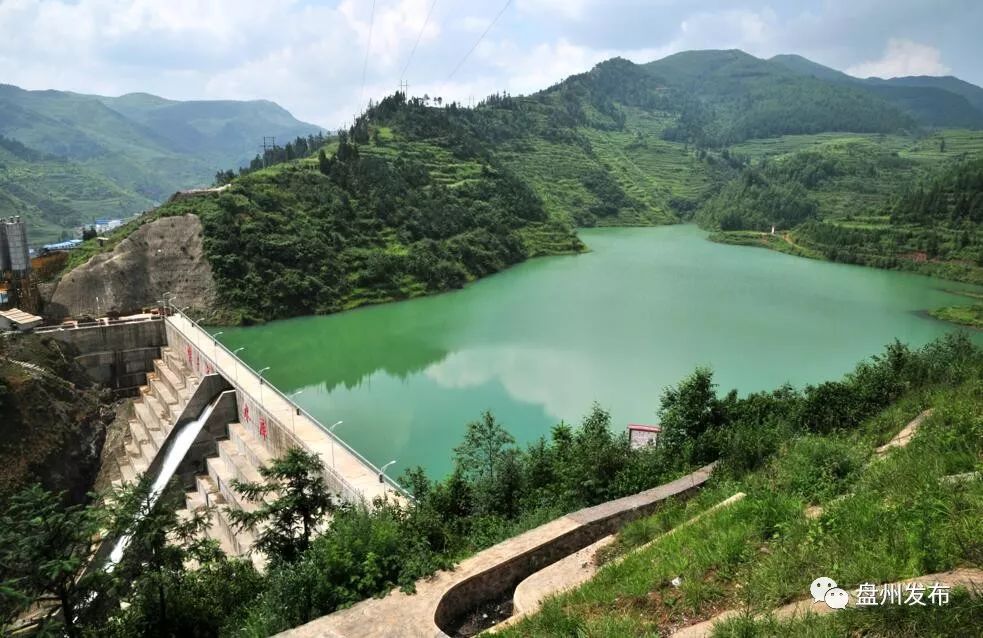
(971, 316)
(883, 520)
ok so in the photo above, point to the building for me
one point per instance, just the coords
(642, 435)
(16, 319)
(71, 244)
(15, 254)
(106, 225)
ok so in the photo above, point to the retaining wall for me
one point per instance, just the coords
(116, 355)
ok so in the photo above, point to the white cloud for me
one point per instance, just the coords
(902, 57)
(569, 9)
(307, 55)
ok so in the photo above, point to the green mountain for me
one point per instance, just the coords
(421, 195)
(740, 97)
(107, 157)
(932, 101)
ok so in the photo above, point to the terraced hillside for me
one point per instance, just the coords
(857, 187)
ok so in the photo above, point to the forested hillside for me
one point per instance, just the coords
(410, 204)
(422, 195)
(884, 202)
(932, 101)
(68, 158)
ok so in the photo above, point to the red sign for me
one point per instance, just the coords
(189, 355)
(245, 413)
(262, 426)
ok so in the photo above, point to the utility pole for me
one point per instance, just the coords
(404, 88)
(269, 144)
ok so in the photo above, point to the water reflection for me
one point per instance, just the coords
(542, 341)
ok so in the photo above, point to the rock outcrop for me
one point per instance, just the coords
(162, 256)
(53, 418)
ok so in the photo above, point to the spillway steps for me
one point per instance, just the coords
(155, 411)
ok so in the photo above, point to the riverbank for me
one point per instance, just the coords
(962, 272)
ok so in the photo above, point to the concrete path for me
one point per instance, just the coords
(413, 615)
(361, 477)
(971, 579)
(903, 438)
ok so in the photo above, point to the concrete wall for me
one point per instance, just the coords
(500, 581)
(117, 355)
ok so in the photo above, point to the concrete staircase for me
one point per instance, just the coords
(160, 403)
(156, 409)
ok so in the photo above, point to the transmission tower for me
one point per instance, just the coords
(269, 144)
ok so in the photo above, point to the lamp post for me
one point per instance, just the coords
(294, 410)
(235, 361)
(382, 471)
(215, 346)
(260, 373)
(331, 432)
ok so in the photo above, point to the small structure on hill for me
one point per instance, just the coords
(641, 435)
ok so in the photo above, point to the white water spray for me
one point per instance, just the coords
(180, 445)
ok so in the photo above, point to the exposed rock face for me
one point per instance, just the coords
(165, 255)
(53, 418)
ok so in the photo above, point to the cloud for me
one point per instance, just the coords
(902, 57)
(307, 55)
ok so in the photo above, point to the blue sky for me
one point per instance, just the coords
(308, 55)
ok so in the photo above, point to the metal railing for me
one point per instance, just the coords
(297, 408)
(99, 323)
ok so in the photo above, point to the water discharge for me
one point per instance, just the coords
(173, 455)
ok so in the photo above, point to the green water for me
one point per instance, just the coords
(540, 342)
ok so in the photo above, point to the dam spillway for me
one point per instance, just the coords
(249, 425)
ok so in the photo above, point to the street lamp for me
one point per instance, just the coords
(382, 471)
(260, 373)
(295, 410)
(331, 432)
(235, 361)
(215, 345)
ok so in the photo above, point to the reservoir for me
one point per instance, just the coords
(541, 342)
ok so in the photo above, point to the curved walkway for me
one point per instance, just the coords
(578, 568)
(491, 573)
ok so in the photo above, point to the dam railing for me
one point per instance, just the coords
(349, 490)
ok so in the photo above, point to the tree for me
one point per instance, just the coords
(481, 456)
(689, 411)
(89, 233)
(291, 504)
(44, 549)
(160, 546)
(942, 145)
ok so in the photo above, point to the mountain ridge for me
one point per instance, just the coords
(140, 147)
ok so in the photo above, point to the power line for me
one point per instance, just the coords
(418, 37)
(480, 38)
(368, 49)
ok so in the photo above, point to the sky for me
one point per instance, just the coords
(323, 60)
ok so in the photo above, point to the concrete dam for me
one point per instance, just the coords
(249, 422)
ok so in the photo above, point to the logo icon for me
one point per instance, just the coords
(825, 590)
(837, 598)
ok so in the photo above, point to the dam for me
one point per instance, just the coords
(183, 375)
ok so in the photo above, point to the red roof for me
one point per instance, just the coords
(645, 428)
